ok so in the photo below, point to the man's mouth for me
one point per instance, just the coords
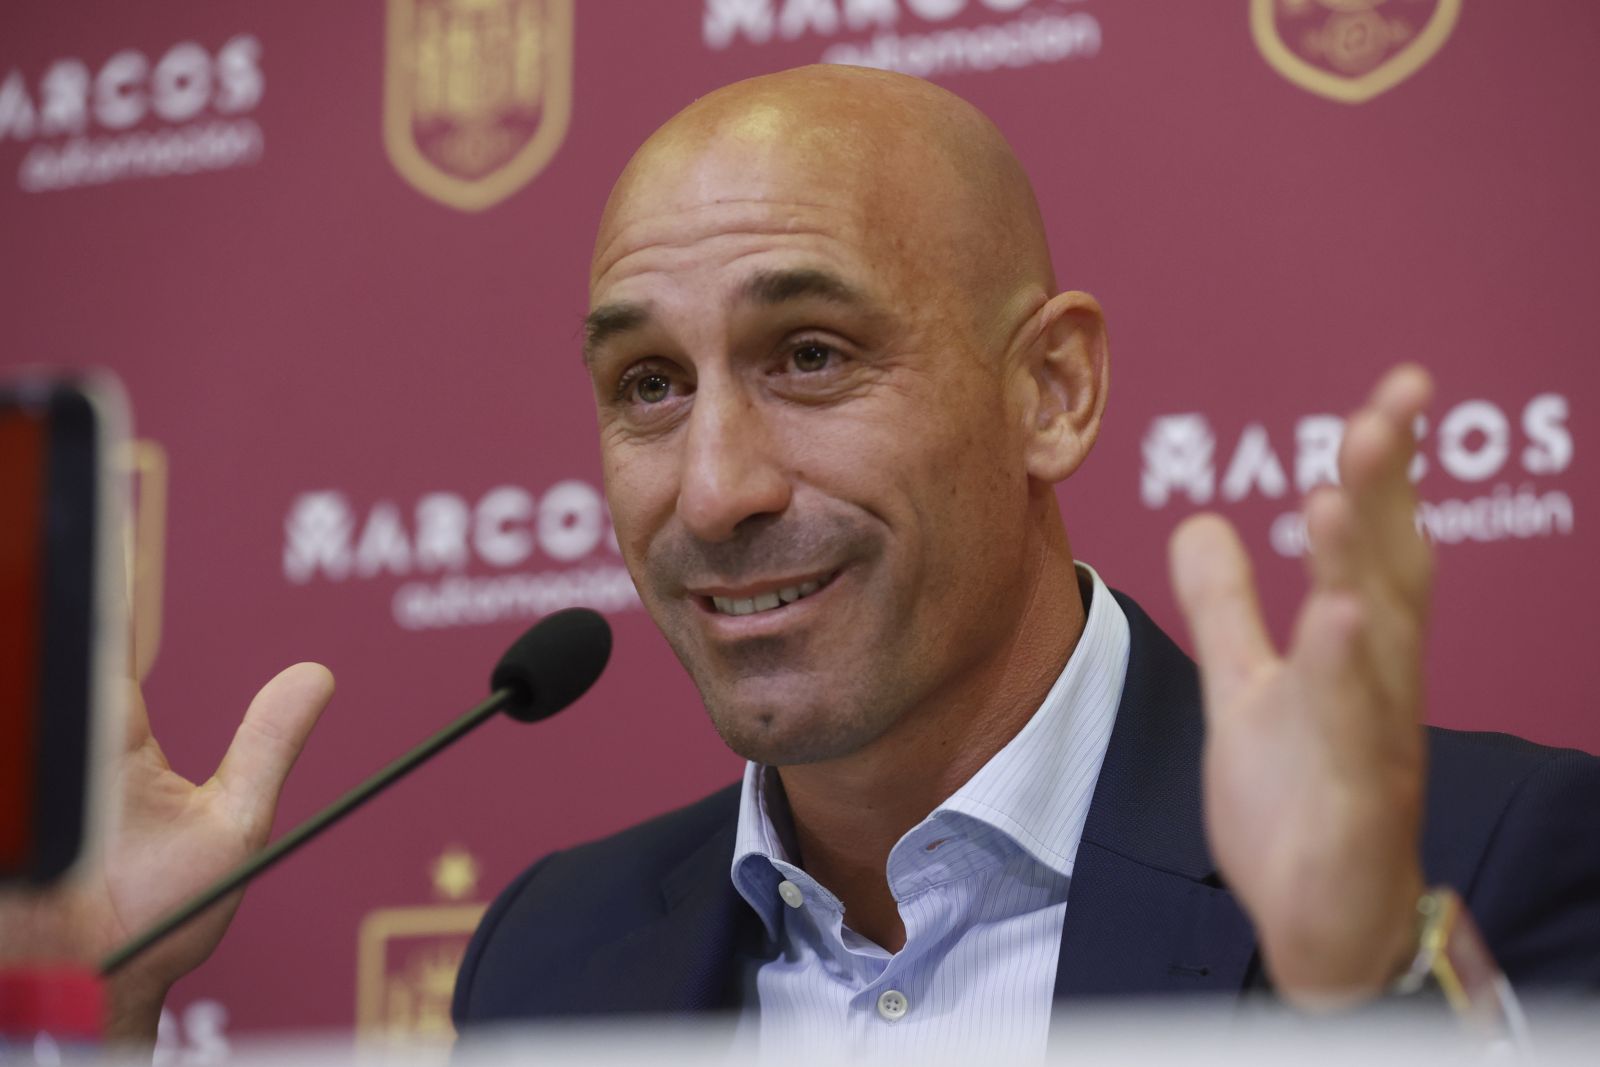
(769, 599)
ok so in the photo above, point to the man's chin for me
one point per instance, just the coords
(783, 734)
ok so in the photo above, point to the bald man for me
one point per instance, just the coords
(837, 386)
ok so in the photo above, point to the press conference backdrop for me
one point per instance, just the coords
(338, 254)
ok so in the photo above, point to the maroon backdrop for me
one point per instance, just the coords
(337, 253)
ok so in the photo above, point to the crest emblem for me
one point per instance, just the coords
(477, 94)
(408, 958)
(1350, 50)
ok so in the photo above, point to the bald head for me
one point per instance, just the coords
(936, 189)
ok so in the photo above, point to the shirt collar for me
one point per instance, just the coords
(1036, 790)
(758, 845)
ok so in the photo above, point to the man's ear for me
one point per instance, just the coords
(1067, 363)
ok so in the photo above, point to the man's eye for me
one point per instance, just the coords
(652, 388)
(811, 358)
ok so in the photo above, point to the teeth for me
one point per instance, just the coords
(764, 602)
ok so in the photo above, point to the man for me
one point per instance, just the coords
(836, 389)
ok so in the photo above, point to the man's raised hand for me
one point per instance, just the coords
(1315, 759)
(168, 839)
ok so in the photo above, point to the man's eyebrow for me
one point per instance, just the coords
(609, 320)
(779, 286)
(766, 287)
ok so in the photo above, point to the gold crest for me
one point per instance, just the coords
(477, 94)
(408, 957)
(1351, 50)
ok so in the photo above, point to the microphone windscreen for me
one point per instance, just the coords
(554, 663)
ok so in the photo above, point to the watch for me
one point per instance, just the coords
(1452, 957)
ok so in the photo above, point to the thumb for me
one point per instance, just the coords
(1212, 581)
(268, 741)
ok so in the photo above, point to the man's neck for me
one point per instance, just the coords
(849, 813)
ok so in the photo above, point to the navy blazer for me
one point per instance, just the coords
(648, 920)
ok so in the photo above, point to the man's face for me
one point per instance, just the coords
(811, 450)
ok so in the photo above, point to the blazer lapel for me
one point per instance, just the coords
(1146, 912)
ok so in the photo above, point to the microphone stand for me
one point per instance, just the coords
(309, 829)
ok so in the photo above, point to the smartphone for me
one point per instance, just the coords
(62, 633)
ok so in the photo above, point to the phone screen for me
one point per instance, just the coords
(50, 560)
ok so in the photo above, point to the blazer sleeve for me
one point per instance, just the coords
(1536, 893)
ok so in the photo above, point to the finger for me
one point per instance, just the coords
(1212, 580)
(1363, 543)
(136, 720)
(268, 741)
(1403, 393)
(1325, 655)
(1332, 559)
(1361, 722)
(1374, 459)
(1374, 462)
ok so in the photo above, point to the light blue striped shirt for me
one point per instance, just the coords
(981, 884)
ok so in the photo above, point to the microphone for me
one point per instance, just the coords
(553, 664)
(548, 667)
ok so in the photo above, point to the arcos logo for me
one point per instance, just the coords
(444, 542)
(927, 38)
(1518, 449)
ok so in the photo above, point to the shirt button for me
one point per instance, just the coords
(892, 1004)
(791, 893)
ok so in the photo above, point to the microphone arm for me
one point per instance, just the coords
(309, 829)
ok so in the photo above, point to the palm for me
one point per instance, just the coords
(1287, 814)
(174, 838)
(166, 840)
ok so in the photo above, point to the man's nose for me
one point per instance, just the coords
(731, 472)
